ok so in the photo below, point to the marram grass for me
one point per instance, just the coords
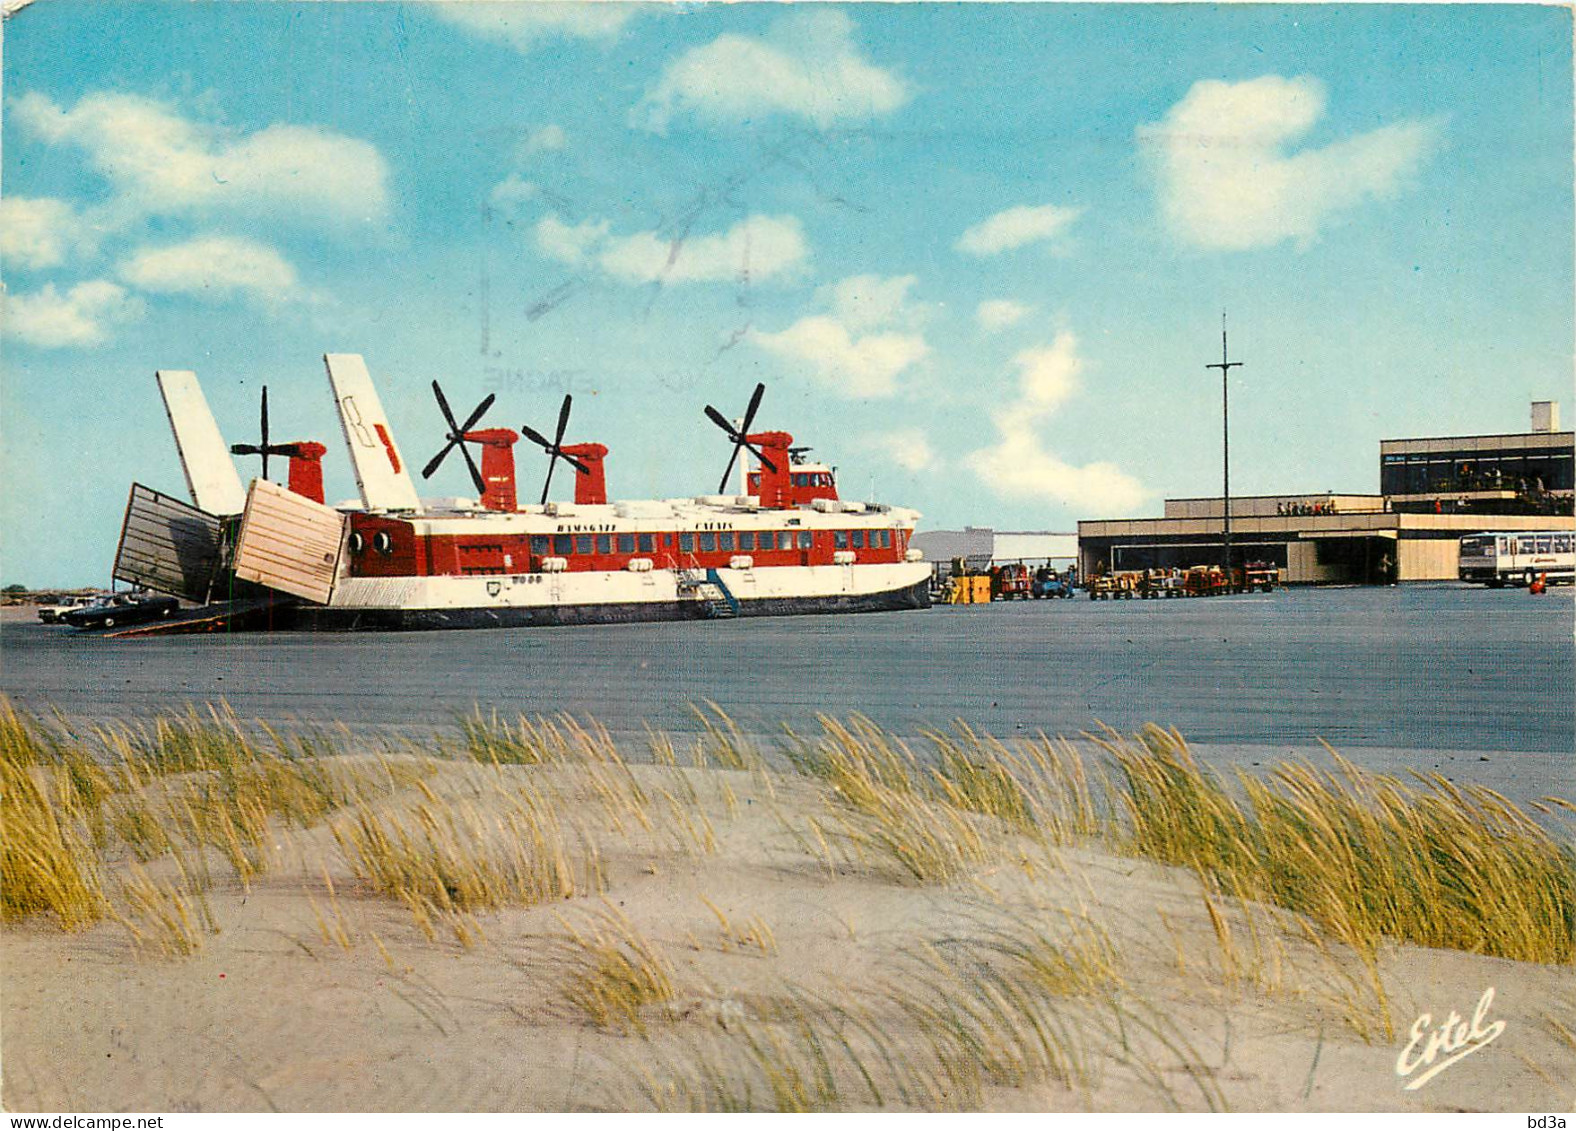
(75, 802)
(1363, 857)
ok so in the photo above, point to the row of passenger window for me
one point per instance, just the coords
(705, 542)
(1543, 544)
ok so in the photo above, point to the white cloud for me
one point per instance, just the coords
(863, 345)
(548, 139)
(1225, 180)
(81, 317)
(213, 268)
(1047, 376)
(525, 26)
(1015, 227)
(909, 448)
(999, 313)
(41, 231)
(863, 301)
(161, 163)
(568, 243)
(757, 247)
(512, 191)
(855, 366)
(1019, 465)
(807, 66)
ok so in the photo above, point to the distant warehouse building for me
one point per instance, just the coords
(1432, 492)
(981, 546)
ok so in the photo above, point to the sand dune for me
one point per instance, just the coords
(721, 938)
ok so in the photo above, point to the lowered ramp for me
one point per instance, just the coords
(289, 543)
(168, 545)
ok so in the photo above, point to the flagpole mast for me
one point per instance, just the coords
(1225, 365)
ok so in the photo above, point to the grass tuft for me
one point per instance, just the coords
(616, 973)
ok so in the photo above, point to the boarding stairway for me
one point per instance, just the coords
(708, 589)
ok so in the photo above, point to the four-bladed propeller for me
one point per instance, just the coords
(740, 436)
(555, 449)
(264, 448)
(456, 438)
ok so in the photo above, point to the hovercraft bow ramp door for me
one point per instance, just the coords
(289, 543)
(167, 545)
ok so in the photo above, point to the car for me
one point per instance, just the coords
(51, 613)
(124, 608)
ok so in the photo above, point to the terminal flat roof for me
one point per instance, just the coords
(1481, 443)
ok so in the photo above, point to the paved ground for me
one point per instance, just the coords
(1420, 676)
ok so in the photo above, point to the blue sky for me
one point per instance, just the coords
(978, 253)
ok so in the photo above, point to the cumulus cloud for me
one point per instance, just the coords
(1015, 227)
(861, 347)
(41, 231)
(513, 191)
(546, 139)
(999, 313)
(526, 26)
(909, 448)
(569, 243)
(1226, 181)
(757, 247)
(863, 301)
(807, 66)
(1020, 466)
(81, 317)
(162, 163)
(213, 268)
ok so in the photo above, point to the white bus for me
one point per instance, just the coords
(1518, 557)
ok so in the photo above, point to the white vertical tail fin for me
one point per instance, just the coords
(210, 473)
(380, 470)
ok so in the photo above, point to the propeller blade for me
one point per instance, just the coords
(477, 415)
(443, 404)
(755, 403)
(265, 431)
(721, 422)
(555, 450)
(563, 422)
(548, 482)
(432, 464)
(535, 437)
(766, 463)
(476, 475)
(574, 463)
(727, 471)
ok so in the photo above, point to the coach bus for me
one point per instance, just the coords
(1518, 557)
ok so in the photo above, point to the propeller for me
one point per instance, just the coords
(264, 448)
(456, 438)
(555, 449)
(740, 436)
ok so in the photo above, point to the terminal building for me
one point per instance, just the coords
(1433, 491)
